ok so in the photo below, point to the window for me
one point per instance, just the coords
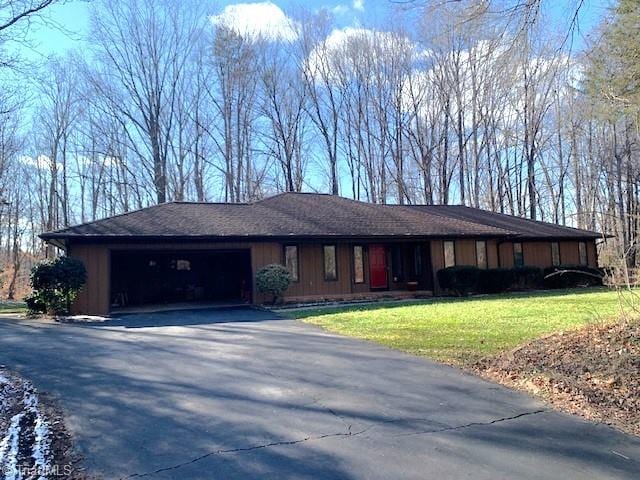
(449, 254)
(582, 249)
(397, 264)
(555, 254)
(417, 260)
(291, 261)
(518, 257)
(330, 264)
(481, 254)
(358, 264)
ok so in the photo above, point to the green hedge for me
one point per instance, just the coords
(572, 276)
(526, 278)
(496, 280)
(463, 280)
(459, 280)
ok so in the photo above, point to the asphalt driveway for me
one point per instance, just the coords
(242, 394)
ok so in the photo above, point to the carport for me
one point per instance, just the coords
(149, 278)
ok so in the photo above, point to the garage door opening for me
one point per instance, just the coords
(143, 278)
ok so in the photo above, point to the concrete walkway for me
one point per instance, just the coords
(242, 394)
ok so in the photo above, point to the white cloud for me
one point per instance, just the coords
(41, 162)
(358, 5)
(347, 47)
(258, 20)
(340, 9)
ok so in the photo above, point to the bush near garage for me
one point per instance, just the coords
(273, 279)
(572, 276)
(55, 284)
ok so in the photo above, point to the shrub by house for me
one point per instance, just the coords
(273, 279)
(55, 285)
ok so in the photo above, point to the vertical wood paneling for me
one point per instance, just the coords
(569, 254)
(592, 253)
(465, 252)
(537, 254)
(492, 253)
(437, 262)
(263, 254)
(94, 296)
(506, 254)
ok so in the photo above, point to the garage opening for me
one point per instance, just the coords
(144, 278)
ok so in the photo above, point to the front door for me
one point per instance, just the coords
(378, 267)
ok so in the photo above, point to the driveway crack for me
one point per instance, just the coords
(472, 424)
(346, 434)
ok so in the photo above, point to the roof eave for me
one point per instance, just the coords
(54, 236)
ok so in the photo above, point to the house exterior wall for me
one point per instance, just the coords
(95, 297)
(500, 254)
(538, 253)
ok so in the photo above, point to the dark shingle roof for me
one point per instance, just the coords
(522, 227)
(296, 215)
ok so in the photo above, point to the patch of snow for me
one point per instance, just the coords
(85, 318)
(40, 450)
(9, 449)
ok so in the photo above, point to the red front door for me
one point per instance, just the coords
(378, 267)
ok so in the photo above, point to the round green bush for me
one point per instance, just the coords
(55, 284)
(273, 279)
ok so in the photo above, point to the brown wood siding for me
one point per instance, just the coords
(437, 262)
(264, 254)
(93, 299)
(506, 254)
(537, 254)
(465, 252)
(592, 253)
(492, 254)
(569, 254)
(312, 281)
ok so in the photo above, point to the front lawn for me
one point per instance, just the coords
(12, 307)
(461, 331)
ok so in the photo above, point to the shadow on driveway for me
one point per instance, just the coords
(256, 398)
(183, 318)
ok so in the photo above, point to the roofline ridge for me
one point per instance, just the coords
(282, 194)
(197, 202)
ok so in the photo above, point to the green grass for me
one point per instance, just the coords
(12, 307)
(460, 331)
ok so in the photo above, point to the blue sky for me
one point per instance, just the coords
(73, 18)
